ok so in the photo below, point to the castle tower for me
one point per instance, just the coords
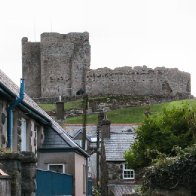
(80, 60)
(31, 68)
(61, 60)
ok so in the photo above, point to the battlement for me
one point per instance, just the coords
(76, 38)
(134, 70)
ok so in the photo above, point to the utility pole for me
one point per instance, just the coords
(98, 129)
(100, 118)
(85, 105)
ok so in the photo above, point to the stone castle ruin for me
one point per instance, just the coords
(59, 65)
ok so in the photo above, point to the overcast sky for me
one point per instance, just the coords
(122, 32)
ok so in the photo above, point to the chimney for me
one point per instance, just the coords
(60, 109)
(101, 116)
(105, 128)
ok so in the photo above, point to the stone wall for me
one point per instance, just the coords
(22, 170)
(138, 81)
(179, 192)
(5, 185)
(31, 70)
(60, 66)
(57, 65)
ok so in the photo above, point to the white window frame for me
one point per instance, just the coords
(23, 144)
(56, 164)
(131, 171)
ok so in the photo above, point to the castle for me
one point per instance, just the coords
(59, 65)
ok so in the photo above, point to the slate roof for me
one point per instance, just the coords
(117, 144)
(9, 86)
(121, 138)
(52, 140)
(74, 130)
(121, 189)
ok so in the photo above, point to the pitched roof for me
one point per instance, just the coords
(52, 140)
(121, 189)
(10, 87)
(117, 144)
(121, 138)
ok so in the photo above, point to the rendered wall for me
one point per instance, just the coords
(80, 175)
(66, 158)
(73, 166)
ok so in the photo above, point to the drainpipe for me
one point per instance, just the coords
(10, 114)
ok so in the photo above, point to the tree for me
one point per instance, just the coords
(174, 126)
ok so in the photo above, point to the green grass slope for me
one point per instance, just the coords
(122, 116)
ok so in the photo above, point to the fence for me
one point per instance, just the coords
(51, 183)
(5, 185)
(90, 187)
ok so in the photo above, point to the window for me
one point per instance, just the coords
(60, 168)
(128, 173)
(23, 134)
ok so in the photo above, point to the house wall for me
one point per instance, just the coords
(3, 125)
(21, 168)
(115, 171)
(93, 166)
(5, 186)
(80, 175)
(73, 165)
(32, 130)
(66, 158)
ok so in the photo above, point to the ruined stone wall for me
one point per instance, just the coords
(138, 81)
(60, 66)
(31, 69)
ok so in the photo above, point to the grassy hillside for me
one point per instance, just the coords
(125, 115)
(69, 105)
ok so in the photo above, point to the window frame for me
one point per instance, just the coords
(131, 172)
(63, 172)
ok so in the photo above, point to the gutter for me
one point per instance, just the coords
(10, 114)
(34, 114)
